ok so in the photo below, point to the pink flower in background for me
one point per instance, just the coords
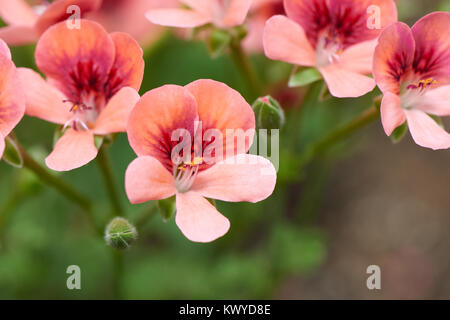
(221, 13)
(26, 22)
(129, 16)
(260, 12)
(337, 37)
(412, 69)
(154, 175)
(12, 101)
(92, 83)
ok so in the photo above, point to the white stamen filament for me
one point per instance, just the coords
(185, 177)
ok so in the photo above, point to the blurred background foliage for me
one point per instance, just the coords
(281, 247)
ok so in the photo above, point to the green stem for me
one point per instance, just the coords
(108, 176)
(245, 68)
(118, 268)
(343, 132)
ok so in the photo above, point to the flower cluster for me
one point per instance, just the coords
(192, 141)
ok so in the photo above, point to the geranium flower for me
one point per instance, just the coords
(92, 83)
(128, 16)
(26, 22)
(260, 12)
(12, 101)
(201, 108)
(412, 69)
(221, 13)
(337, 37)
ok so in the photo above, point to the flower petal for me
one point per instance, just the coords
(285, 40)
(245, 177)
(154, 118)
(73, 57)
(12, 101)
(17, 12)
(433, 46)
(393, 56)
(236, 12)
(2, 145)
(359, 57)
(146, 179)
(18, 35)
(435, 101)
(425, 131)
(4, 49)
(198, 219)
(128, 68)
(180, 18)
(114, 117)
(343, 83)
(73, 150)
(392, 114)
(57, 12)
(224, 109)
(43, 100)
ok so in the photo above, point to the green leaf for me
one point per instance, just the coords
(12, 155)
(98, 141)
(399, 132)
(167, 208)
(303, 77)
(324, 93)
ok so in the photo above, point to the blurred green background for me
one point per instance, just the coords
(365, 202)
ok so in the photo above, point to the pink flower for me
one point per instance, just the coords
(202, 108)
(260, 12)
(128, 16)
(221, 13)
(92, 83)
(412, 69)
(337, 37)
(27, 22)
(12, 101)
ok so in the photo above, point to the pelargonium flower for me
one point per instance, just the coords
(92, 83)
(260, 12)
(412, 69)
(337, 37)
(221, 13)
(216, 167)
(12, 101)
(128, 16)
(26, 22)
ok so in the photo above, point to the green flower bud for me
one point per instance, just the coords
(268, 113)
(120, 233)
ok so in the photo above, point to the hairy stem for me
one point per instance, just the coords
(108, 176)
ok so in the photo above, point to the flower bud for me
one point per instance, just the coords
(120, 233)
(268, 113)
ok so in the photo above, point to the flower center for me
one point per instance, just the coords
(186, 173)
(414, 91)
(328, 49)
(83, 116)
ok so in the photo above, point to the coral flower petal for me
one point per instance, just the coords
(18, 35)
(72, 57)
(154, 118)
(114, 117)
(17, 12)
(392, 114)
(57, 11)
(285, 40)
(222, 108)
(433, 46)
(435, 101)
(147, 179)
(12, 103)
(236, 12)
(359, 57)
(425, 131)
(198, 219)
(128, 68)
(242, 178)
(4, 49)
(177, 18)
(393, 56)
(343, 83)
(42, 99)
(73, 150)
(2, 145)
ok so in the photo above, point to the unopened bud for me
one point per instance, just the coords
(268, 113)
(120, 233)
